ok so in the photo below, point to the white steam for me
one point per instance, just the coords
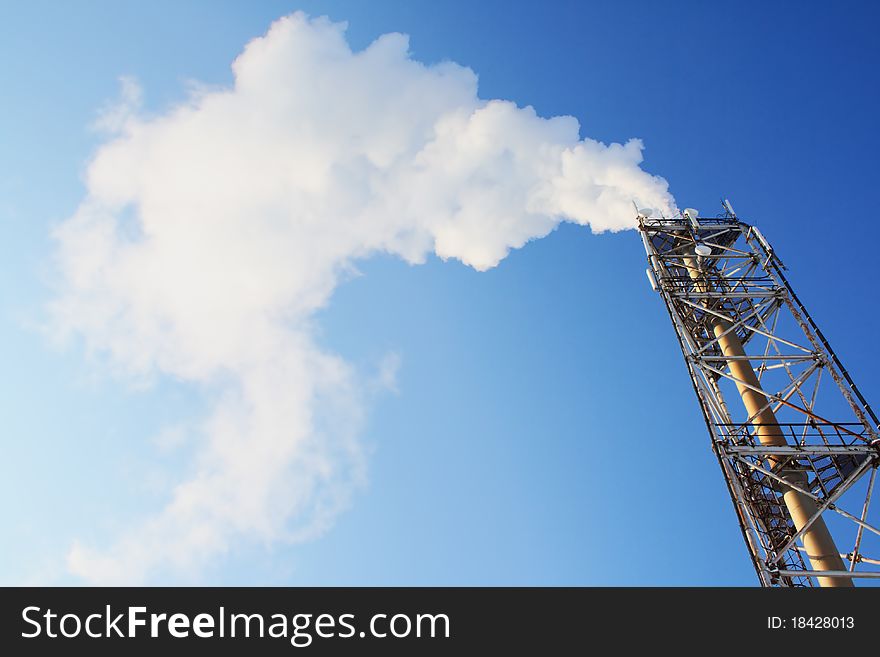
(211, 234)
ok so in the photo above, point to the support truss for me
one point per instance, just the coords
(831, 431)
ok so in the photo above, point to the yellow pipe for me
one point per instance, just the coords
(818, 543)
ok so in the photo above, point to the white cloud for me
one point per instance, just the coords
(211, 233)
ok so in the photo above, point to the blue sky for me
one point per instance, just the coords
(543, 429)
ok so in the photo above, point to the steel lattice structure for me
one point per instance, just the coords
(804, 432)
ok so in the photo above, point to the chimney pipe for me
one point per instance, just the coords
(818, 543)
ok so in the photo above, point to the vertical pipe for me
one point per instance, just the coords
(819, 544)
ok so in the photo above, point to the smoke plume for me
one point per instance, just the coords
(211, 233)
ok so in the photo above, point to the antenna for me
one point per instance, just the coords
(727, 206)
(644, 213)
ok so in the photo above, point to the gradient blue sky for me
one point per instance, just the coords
(544, 430)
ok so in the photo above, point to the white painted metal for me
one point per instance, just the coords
(831, 431)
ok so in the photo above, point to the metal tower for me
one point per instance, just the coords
(797, 443)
